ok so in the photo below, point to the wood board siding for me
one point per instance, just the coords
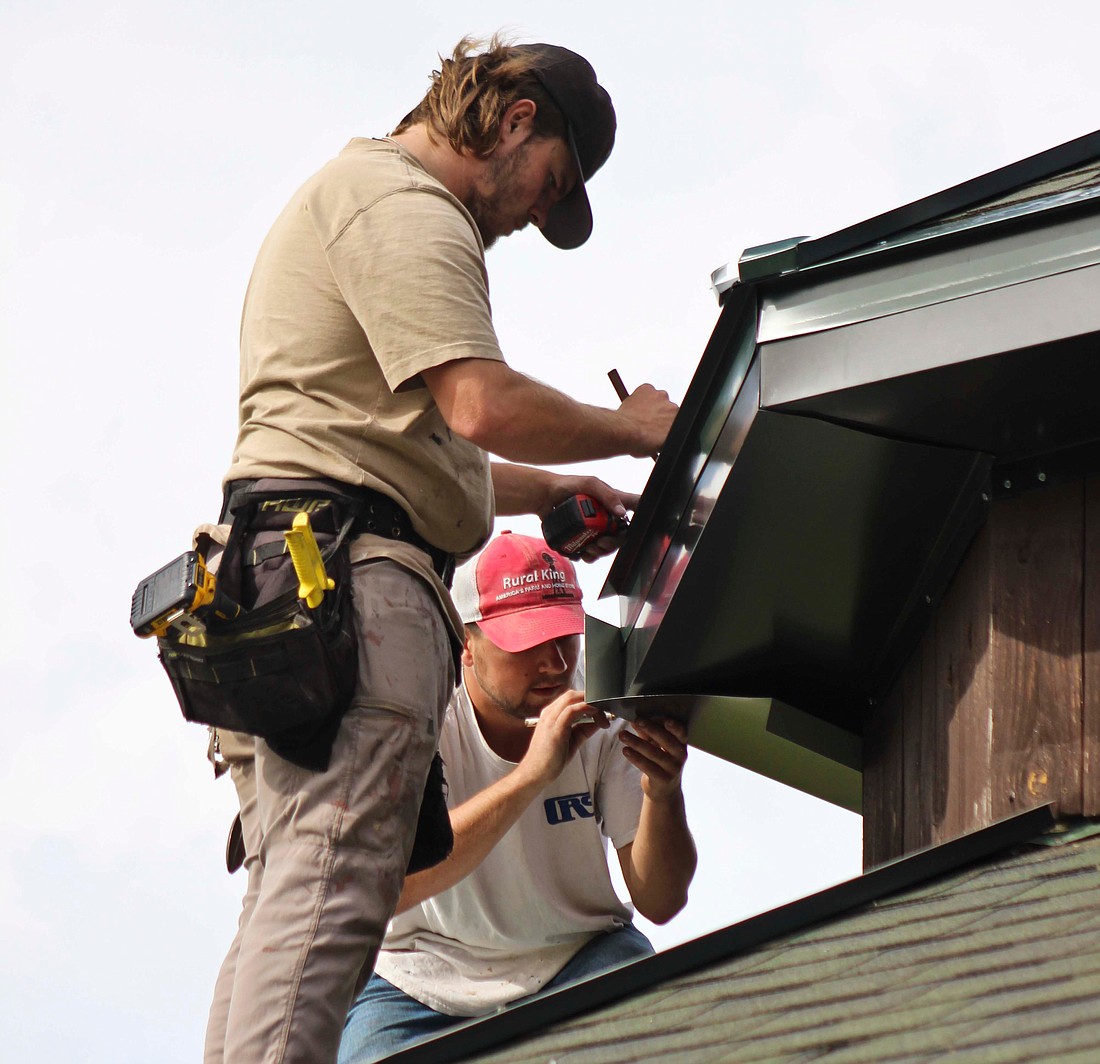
(1036, 661)
(1090, 696)
(998, 708)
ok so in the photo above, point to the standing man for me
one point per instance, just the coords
(525, 902)
(369, 362)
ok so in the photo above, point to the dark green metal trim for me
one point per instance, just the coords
(968, 193)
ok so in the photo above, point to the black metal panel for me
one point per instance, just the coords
(1014, 372)
(669, 489)
(1012, 405)
(642, 613)
(820, 554)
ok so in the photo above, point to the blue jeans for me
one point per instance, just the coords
(384, 1019)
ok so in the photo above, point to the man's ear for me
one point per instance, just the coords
(517, 124)
(467, 651)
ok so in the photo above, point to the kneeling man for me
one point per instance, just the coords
(525, 902)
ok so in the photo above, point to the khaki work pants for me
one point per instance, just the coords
(326, 851)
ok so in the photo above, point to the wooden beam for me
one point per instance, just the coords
(1090, 694)
(1038, 559)
(958, 705)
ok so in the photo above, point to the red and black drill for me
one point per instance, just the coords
(573, 524)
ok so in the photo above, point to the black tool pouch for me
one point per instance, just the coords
(281, 670)
(434, 836)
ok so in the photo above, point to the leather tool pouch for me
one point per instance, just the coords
(281, 670)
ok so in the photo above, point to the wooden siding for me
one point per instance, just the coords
(998, 708)
(1090, 710)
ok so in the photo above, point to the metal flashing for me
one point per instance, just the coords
(1021, 204)
(722, 368)
(769, 260)
(939, 275)
(1064, 176)
(1071, 829)
(603, 659)
(806, 549)
(1011, 371)
(763, 735)
(977, 190)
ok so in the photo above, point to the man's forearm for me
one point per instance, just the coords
(661, 861)
(478, 825)
(482, 821)
(521, 489)
(523, 420)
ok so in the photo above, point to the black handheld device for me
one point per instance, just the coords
(173, 593)
(573, 524)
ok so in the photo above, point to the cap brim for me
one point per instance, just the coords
(524, 629)
(569, 222)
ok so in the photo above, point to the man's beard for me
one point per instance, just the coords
(519, 708)
(486, 208)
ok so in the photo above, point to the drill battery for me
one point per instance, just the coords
(573, 524)
(173, 595)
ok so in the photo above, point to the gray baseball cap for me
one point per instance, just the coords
(570, 82)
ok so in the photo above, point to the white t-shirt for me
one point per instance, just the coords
(543, 891)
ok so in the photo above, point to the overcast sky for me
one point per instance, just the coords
(147, 147)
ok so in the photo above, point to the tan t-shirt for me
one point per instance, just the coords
(372, 273)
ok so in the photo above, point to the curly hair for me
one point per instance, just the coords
(471, 92)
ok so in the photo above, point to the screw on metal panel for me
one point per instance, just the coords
(1042, 478)
(985, 496)
(928, 600)
(1008, 483)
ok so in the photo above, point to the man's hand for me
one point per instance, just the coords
(523, 489)
(615, 502)
(558, 736)
(560, 487)
(659, 752)
(651, 413)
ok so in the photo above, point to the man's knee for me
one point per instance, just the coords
(384, 1020)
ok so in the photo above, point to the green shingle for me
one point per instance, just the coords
(997, 962)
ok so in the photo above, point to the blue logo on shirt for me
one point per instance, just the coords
(568, 807)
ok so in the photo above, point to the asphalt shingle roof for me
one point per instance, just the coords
(998, 961)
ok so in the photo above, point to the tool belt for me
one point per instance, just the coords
(281, 669)
(373, 513)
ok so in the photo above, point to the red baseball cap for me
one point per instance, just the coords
(520, 593)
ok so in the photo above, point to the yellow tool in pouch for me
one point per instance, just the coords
(313, 581)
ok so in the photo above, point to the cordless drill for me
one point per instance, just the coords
(573, 524)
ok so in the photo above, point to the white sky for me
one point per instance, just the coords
(147, 147)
